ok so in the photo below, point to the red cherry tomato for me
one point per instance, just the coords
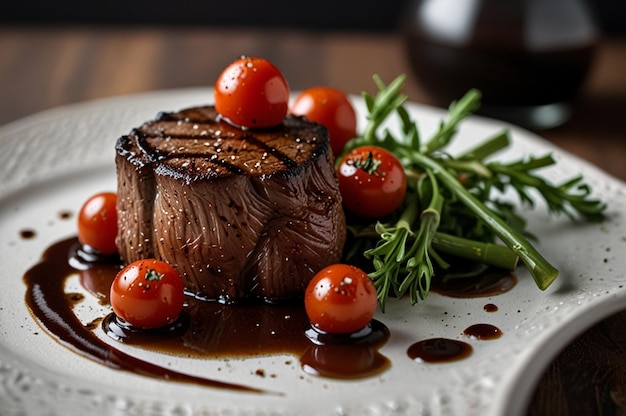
(372, 182)
(147, 293)
(331, 108)
(340, 299)
(251, 92)
(97, 223)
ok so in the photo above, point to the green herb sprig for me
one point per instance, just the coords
(450, 209)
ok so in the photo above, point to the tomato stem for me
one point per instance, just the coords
(369, 164)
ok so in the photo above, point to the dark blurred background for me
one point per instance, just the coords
(315, 15)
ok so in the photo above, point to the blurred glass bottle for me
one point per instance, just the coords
(528, 57)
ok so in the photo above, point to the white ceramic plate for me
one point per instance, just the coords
(52, 161)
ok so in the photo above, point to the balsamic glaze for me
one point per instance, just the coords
(216, 330)
(27, 234)
(346, 356)
(47, 301)
(439, 350)
(65, 215)
(483, 331)
(491, 283)
(205, 329)
(490, 307)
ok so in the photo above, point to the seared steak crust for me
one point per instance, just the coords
(239, 213)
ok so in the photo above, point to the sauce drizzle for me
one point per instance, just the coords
(490, 307)
(27, 234)
(205, 330)
(490, 283)
(47, 302)
(483, 331)
(439, 350)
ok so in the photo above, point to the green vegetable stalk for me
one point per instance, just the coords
(449, 210)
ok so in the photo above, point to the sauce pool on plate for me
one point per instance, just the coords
(212, 330)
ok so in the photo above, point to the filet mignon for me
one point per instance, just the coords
(239, 213)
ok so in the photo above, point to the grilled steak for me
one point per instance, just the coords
(239, 213)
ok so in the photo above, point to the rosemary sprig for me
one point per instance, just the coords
(449, 207)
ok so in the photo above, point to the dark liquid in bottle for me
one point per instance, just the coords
(517, 53)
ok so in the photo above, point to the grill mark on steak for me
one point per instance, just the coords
(154, 155)
(271, 150)
(170, 126)
(239, 213)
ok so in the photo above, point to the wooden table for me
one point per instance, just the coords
(42, 68)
